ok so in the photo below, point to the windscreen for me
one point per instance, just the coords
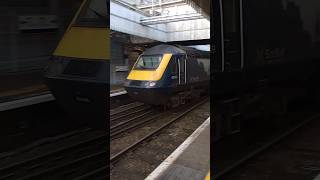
(148, 62)
(93, 14)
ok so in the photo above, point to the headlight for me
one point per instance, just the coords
(150, 84)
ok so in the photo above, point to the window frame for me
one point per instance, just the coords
(95, 24)
(148, 69)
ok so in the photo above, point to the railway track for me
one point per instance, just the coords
(130, 117)
(117, 100)
(263, 147)
(128, 111)
(178, 115)
(61, 157)
(80, 154)
(131, 125)
(124, 108)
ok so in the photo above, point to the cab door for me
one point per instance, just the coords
(233, 35)
(228, 36)
(182, 69)
(175, 73)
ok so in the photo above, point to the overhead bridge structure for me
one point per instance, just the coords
(160, 20)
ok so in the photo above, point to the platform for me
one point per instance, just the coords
(191, 160)
(21, 85)
(27, 101)
(117, 90)
(22, 100)
(118, 93)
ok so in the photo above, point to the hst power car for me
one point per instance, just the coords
(168, 75)
(78, 73)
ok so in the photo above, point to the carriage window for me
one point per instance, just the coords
(151, 62)
(94, 13)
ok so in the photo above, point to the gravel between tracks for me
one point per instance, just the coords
(141, 162)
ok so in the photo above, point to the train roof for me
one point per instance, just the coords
(163, 49)
(171, 49)
(194, 51)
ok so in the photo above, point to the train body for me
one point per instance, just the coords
(253, 44)
(266, 52)
(167, 74)
(78, 72)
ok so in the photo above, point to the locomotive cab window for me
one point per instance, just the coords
(93, 14)
(148, 62)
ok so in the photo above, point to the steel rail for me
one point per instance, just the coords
(117, 156)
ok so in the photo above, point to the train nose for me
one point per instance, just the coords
(148, 95)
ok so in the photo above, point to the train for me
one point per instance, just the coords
(77, 73)
(265, 54)
(169, 75)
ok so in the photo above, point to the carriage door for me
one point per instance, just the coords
(174, 71)
(231, 35)
(182, 69)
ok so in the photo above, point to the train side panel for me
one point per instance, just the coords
(290, 33)
(282, 44)
(265, 59)
(198, 70)
(280, 41)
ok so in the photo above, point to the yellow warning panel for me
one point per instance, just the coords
(85, 43)
(208, 176)
(150, 75)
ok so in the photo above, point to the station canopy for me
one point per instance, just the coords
(167, 11)
(161, 20)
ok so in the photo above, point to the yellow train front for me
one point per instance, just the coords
(78, 72)
(169, 75)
